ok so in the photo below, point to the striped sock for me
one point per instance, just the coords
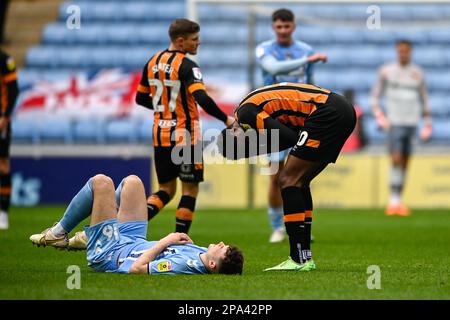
(185, 214)
(294, 220)
(308, 219)
(156, 202)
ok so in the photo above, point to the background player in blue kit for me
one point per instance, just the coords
(116, 236)
(284, 59)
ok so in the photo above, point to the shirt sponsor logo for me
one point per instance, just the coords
(167, 123)
(164, 266)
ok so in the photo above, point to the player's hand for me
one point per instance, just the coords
(318, 57)
(425, 133)
(382, 122)
(177, 238)
(230, 121)
(3, 123)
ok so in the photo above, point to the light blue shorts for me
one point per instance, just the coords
(107, 238)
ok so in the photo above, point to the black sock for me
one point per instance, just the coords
(156, 202)
(5, 191)
(294, 221)
(308, 218)
(185, 214)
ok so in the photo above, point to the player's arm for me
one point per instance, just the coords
(208, 104)
(191, 75)
(258, 119)
(427, 128)
(141, 265)
(375, 97)
(244, 144)
(275, 67)
(143, 97)
(9, 75)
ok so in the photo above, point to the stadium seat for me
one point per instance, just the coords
(374, 133)
(441, 130)
(42, 57)
(25, 130)
(212, 13)
(145, 132)
(89, 130)
(55, 129)
(121, 130)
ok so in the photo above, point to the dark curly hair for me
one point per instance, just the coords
(233, 262)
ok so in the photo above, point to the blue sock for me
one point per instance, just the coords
(276, 217)
(79, 208)
(119, 191)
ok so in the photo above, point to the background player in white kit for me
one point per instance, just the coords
(406, 102)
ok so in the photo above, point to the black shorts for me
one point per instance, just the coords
(185, 163)
(326, 130)
(5, 141)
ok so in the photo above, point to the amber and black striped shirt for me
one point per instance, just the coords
(289, 103)
(171, 79)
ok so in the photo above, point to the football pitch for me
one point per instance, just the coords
(412, 255)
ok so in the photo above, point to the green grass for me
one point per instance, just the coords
(412, 253)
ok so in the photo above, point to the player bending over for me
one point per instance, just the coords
(116, 236)
(315, 122)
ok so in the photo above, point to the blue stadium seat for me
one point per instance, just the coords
(345, 35)
(439, 35)
(55, 129)
(121, 130)
(42, 57)
(211, 13)
(441, 130)
(440, 105)
(152, 34)
(210, 34)
(89, 130)
(426, 57)
(24, 130)
(426, 12)
(395, 12)
(374, 133)
(438, 81)
(145, 131)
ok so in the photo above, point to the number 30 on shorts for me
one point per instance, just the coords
(303, 136)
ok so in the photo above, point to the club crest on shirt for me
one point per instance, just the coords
(164, 266)
(197, 73)
(11, 64)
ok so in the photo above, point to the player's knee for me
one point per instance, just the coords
(101, 181)
(286, 180)
(133, 179)
(169, 190)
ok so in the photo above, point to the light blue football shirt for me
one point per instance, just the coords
(298, 50)
(175, 259)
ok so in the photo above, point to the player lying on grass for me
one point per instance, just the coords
(315, 122)
(116, 236)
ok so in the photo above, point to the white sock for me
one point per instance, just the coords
(395, 199)
(58, 230)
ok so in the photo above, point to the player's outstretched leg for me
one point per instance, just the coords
(79, 209)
